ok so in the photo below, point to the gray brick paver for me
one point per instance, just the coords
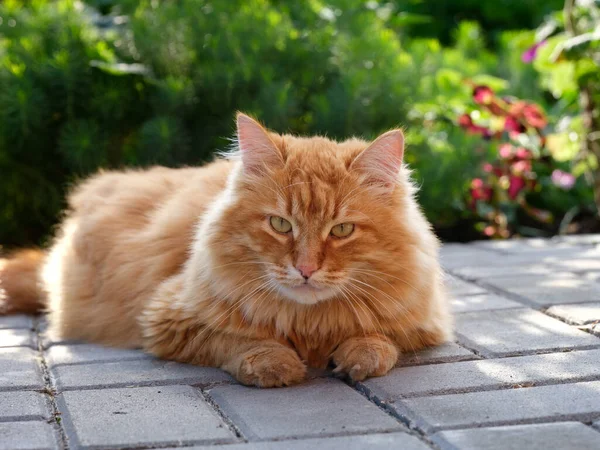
(16, 321)
(486, 374)
(547, 290)
(515, 331)
(561, 402)
(89, 353)
(27, 436)
(564, 435)
(318, 407)
(135, 373)
(24, 405)
(576, 314)
(443, 353)
(458, 287)
(484, 302)
(385, 441)
(16, 338)
(146, 416)
(19, 369)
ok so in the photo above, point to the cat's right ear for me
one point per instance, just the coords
(257, 148)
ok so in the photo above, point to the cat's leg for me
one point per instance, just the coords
(365, 356)
(175, 331)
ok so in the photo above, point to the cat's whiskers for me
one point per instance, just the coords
(216, 323)
(395, 317)
(395, 301)
(373, 314)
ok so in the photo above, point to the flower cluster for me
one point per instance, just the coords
(514, 128)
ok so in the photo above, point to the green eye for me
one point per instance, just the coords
(280, 225)
(342, 230)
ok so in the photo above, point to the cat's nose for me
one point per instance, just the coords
(306, 270)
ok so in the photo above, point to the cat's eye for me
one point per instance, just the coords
(280, 225)
(342, 230)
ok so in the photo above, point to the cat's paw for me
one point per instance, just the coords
(270, 367)
(362, 357)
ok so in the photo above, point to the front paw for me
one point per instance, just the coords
(270, 367)
(362, 357)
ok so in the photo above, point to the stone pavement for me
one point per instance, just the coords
(524, 373)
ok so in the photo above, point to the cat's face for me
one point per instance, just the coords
(315, 219)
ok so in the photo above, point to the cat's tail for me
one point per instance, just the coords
(19, 282)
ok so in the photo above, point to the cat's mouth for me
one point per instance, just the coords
(307, 293)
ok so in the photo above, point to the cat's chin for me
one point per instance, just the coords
(306, 294)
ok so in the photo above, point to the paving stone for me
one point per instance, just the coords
(458, 255)
(486, 374)
(19, 369)
(579, 239)
(516, 331)
(458, 287)
(561, 402)
(579, 264)
(482, 302)
(385, 441)
(16, 338)
(142, 372)
(24, 405)
(564, 435)
(89, 353)
(488, 272)
(27, 436)
(549, 290)
(443, 353)
(135, 417)
(17, 321)
(576, 314)
(317, 407)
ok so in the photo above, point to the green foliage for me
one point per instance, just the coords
(108, 83)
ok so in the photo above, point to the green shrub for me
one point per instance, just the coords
(158, 82)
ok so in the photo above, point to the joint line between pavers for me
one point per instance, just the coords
(384, 406)
(50, 390)
(577, 417)
(215, 406)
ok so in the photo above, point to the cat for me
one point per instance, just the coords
(285, 253)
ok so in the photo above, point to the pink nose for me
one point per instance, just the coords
(306, 270)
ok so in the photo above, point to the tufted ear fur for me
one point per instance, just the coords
(257, 149)
(381, 161)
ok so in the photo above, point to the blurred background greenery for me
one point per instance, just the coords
(111, 84)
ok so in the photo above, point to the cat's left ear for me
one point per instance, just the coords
(381, 161)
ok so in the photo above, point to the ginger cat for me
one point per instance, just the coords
(288, 252)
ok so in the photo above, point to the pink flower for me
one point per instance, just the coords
(529, 55)
(483, 95)
(563, 180)
(522, 153)
(489, 230)
(488, 168)
(521, 167)
(505, 151)
(534, 116)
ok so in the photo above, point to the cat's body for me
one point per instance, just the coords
(302, 251)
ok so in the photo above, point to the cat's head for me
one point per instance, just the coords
(311, 219)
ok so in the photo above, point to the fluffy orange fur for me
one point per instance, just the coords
(186, 263)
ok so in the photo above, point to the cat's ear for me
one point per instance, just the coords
(257, 148)
(381, 161)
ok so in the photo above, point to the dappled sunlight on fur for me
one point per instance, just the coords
(185, 263)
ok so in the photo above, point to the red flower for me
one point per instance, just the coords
(512, 125)
(516, 185)
(523, 153)
(483, 95)
(480, 191)
(534, 116)
(465, 121)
